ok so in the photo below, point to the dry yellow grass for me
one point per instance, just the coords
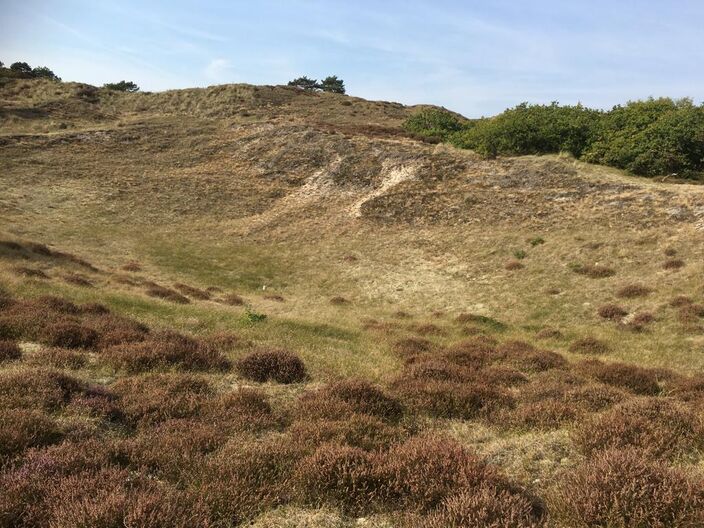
(266, 190)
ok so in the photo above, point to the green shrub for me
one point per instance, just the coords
(532, 129)
(651, 138)
(433, 122)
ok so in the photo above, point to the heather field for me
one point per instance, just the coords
(257, 306)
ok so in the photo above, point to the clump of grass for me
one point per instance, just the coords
(612, 312)
(483, 320)
(593, 271)
(670, 252)
(339, 301)
(166, 294)
(252, 316)
(9, 351)
(623, 488)
(278, 365)
(636, 379)
(191, 291)
(520, 254)
(537, 241)
(673, 264)
(589, 346)
(632, 291)
(659, 427)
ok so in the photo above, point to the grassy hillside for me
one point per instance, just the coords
(503, 310)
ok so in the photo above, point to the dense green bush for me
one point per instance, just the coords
(532, 129)
(649, 138)
(433, 122)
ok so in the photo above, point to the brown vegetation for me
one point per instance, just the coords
(625, 489)
(272, 364)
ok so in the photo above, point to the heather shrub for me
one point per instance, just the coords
(661, 428)
(9, 351)
(242, 409)
(191, 291)
(98, 402)
(673, 264)
(114, 329)
(36, 389)
(61, 358)
(612, 312)
(632, 291)
(67, 334)
(163, 351)
(247, 477)
(484, 507)
(451, 400)
(590, 346)
(272, 364)
(482, 320)
(545, 415)
(593, 271)
(424, 471)
(173, 448)
(364, 398)
(412, 346)
(343, 476)
(690, 313)
(625, 489)
(233, 300)
(681, 300)
(594, 397)
(636, 379)
(23, 428)
(153, 398)
(166, 294)
(356, 430)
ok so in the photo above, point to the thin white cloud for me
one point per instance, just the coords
(220, 70)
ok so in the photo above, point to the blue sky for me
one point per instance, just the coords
(474, 57)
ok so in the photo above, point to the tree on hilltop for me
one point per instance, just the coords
(46, 73)
(304, 83)
(333, 85)
(122, 86)
(21, 67)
